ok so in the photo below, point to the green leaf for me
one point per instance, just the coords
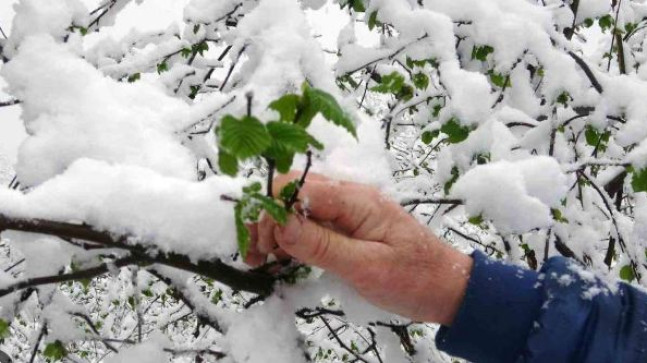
(217, 297)
(563, 98)
(242, 233)
(243, 138)
(606, 22)
(253, 188)
(476, 220)
(55, 350)
(282, 157)
(185, 52)
(630, 27)
(162, 67)
(588, 22)
(286, 106)
(627, 273)
(420, 80)
(481, 52)
(227, 163)
(288, 190)
(558, 216)
(592, 135)
(372, 20)
(134, 77)
(448, 185)
(4, 329)
(200, 48)
(406, 93)
(455, 131)
(278, 213)
(499, 80)
(639, 180)
(329, 108)
(391, 83)
(358, 6)
(436, 110)
(428, 136)
(292, 137)
(194, 91)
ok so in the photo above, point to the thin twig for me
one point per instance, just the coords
(295, 195)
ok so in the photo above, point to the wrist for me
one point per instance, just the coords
(450, 273)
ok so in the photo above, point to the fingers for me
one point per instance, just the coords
(254, 257)
(266, 242)
(313, 244)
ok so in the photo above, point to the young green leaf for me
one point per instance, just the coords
(253, 188)
(55, 351)
(278, 213)
(500, 80)
(639, 180)
(292, 137)
(476, 220)
(481, 52)
(358, 6)
(627, 273)
(242, 233)
(243, 138)
(390, 83)
(448, 185)
(372, 20)
(162, 67)
(227, 163)
(606, 22)
(456, 132)
(326, 104)
(282, 157)
(428, 136)
(286, 106)
(134, 77)
(4, 329)
(288, 190)
(420, 80)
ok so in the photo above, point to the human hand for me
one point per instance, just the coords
(357, 233)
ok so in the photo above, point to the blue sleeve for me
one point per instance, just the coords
(562, 314)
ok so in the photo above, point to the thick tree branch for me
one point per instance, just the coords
(214, 269)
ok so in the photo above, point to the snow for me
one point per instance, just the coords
(168, 213)
(125, 157)
(147, 352)
(72, 111)
(265, 334)
(44, 17)
(516, 196)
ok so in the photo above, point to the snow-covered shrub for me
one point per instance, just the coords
(513, 126)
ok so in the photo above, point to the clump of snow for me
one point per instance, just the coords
(206, 11)
(265, 333)
(171, 214)
(281, 52)
(516, 196)
(146, 352)
(71, 111)
(44, 17)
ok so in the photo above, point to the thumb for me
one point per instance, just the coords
(316, 245)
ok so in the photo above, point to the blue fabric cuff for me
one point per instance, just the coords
(498, 311)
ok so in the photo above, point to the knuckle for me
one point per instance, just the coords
(321, 248)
